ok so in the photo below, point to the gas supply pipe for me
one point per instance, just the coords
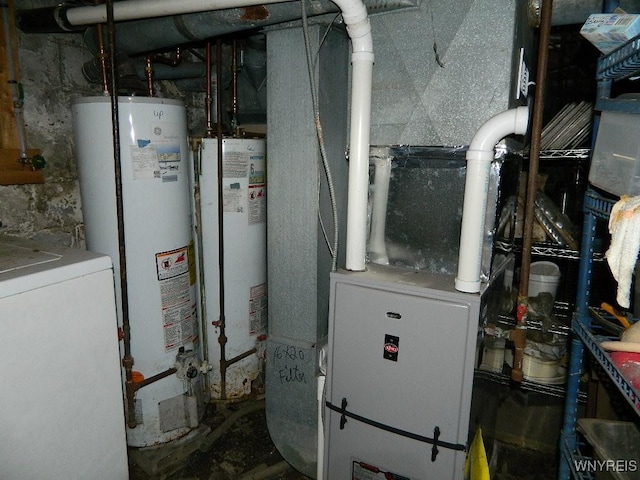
(519, 334)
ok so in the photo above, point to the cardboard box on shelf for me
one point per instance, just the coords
(608, 31)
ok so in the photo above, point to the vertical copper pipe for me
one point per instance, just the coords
(519, 335)
(148, 70)
(222, 338)
(102, 56)
(234, 86)
(208, 101)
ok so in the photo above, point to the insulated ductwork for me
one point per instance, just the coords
(479, 157)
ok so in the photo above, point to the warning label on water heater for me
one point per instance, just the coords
(257, 204)
(258, 309)
(178, 309)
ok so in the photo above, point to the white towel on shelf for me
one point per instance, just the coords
(624, 227)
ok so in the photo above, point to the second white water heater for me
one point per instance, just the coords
(244, 200)
(161, 276)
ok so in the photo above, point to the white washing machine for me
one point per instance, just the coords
(62, 412)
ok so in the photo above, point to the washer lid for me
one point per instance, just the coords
(15, 257)
(26, 265)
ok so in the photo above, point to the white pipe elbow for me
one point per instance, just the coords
(479, 157)
(514, 121)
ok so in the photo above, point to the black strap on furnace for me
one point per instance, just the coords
(435, 441)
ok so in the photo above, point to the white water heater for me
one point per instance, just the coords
(161, 276)
(244, 261)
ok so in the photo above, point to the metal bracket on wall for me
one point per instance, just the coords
(13, 171)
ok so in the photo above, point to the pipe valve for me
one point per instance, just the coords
(187, 364)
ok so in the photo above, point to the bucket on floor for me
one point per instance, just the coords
(543, 277)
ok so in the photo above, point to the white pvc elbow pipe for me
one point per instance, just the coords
(356, 19)
(479, 157)
(380, 197)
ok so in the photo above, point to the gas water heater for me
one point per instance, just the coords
(232, 202)
(160, 263)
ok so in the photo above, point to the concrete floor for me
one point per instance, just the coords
(237, 446)
(233, 444)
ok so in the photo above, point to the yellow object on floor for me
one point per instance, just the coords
(476, 466)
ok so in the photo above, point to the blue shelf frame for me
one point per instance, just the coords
(596, 208)
(622, 63)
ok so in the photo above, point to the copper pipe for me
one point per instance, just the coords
(208, 101)
(234, 86)
(102, 57)
(518, 336)
(148, 70)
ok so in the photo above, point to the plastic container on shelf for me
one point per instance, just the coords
(539, 369)
(615, 164)
(544, 276)
(615, 444)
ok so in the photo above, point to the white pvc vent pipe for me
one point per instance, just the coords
(355, 17)
(479, 157)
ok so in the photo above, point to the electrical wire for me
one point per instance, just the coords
(333, 249)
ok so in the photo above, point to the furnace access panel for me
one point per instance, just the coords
(401, 355)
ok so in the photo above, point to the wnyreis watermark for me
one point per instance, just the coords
(593, 466)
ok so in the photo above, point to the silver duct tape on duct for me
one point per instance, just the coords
(424, 205)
